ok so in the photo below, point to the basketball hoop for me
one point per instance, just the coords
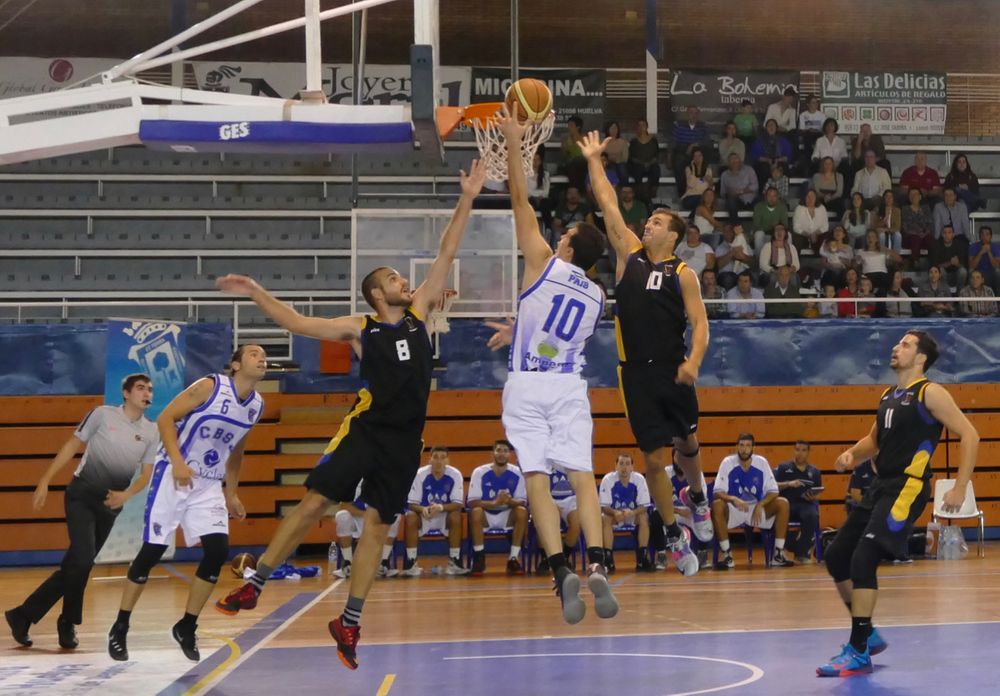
(437, 323)
(485, 122)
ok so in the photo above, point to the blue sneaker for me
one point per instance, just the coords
(849, 663)
(876, 643)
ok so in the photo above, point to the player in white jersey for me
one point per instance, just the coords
(203, 433)
(546, 409)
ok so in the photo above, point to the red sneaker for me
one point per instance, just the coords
(347, 638)
(243, 598)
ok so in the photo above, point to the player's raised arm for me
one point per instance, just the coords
(339, 329)
(943, 407)
(694, 307)
(623, 240)
(529, 238)
(429, 292)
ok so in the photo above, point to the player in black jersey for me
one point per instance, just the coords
(656, 296)
(902, 440)
(380, 439)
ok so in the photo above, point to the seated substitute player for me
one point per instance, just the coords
(498, 500)
(746, 493)
(656, 296)
(565, 499)
(906, 431)
(202, 435)
(381, 439)
(625, 501)
(120, 441)
(798, 482)
(350, 522)
(435, 505)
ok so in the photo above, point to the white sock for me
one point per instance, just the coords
(454, 552)
(386, 552)
(724, 545)
(347, 554)
(779, 544)
(515, 551)
(411, 554)
(478, 548)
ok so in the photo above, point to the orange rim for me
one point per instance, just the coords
(449, 117)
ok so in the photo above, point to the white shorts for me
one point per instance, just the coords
(498, 520)
(547, 419)
(436, 523)
(349, 525)
(198, 511)
(566, 506)
(738, 518)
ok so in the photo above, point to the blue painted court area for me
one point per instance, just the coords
(943, 659)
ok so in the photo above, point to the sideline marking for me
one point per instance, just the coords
(383, 690)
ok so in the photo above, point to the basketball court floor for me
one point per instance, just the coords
(747, 631)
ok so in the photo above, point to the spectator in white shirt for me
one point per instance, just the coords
(745, 290)
(779, 251)
(830, 145)
(783, 111)
(733, 255)
(809, 222)
(810, 128)
(838, 256)
(871, 181)
(694, 252)
(952, 212)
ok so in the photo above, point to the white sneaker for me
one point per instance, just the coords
(661, 560)
(386, 571)
(701, 517)
(344, 571)
(413, 571)
(456, 568)
(683, 557)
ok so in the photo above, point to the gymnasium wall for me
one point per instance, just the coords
(295, 428)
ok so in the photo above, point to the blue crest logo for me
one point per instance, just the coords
(212, 459)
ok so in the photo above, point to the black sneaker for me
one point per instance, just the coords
(67, 634)
(644, 565)
(725, 562)
(117, 642)
(780, 560)
(478, 563)
(19, 626)
(543, 567)
(609, 564)
(186, 638)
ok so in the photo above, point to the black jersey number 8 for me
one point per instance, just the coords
(403, 349)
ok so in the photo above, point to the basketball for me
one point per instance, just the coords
(241, 562)
(533, 98)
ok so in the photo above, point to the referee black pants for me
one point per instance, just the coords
(806, 513)
(89, 521)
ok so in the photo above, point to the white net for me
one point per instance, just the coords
(438, 320)
(493, 145)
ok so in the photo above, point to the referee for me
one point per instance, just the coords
(118, 439)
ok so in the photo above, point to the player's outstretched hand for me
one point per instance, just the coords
(845, 462)
(472, 183)
(504, 335)
(592, 145)
(510, 126)
(236, 284)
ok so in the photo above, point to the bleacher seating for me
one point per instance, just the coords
(295, 427)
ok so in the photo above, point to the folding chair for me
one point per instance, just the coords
(969, 510)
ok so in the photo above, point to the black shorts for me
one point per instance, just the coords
(658, 408)
(887, 513)
(386, 459)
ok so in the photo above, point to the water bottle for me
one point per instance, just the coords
(331, 557)
(931, 548)
(437, 570)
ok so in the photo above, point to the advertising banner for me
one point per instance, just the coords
(901, 102)
(381, 84)
(719, 94)
(574, 92)
(157, 349)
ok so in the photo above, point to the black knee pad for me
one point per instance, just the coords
(837, 559)
(216, 551)
(149, 555)
(688, 455)
(864, 564)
